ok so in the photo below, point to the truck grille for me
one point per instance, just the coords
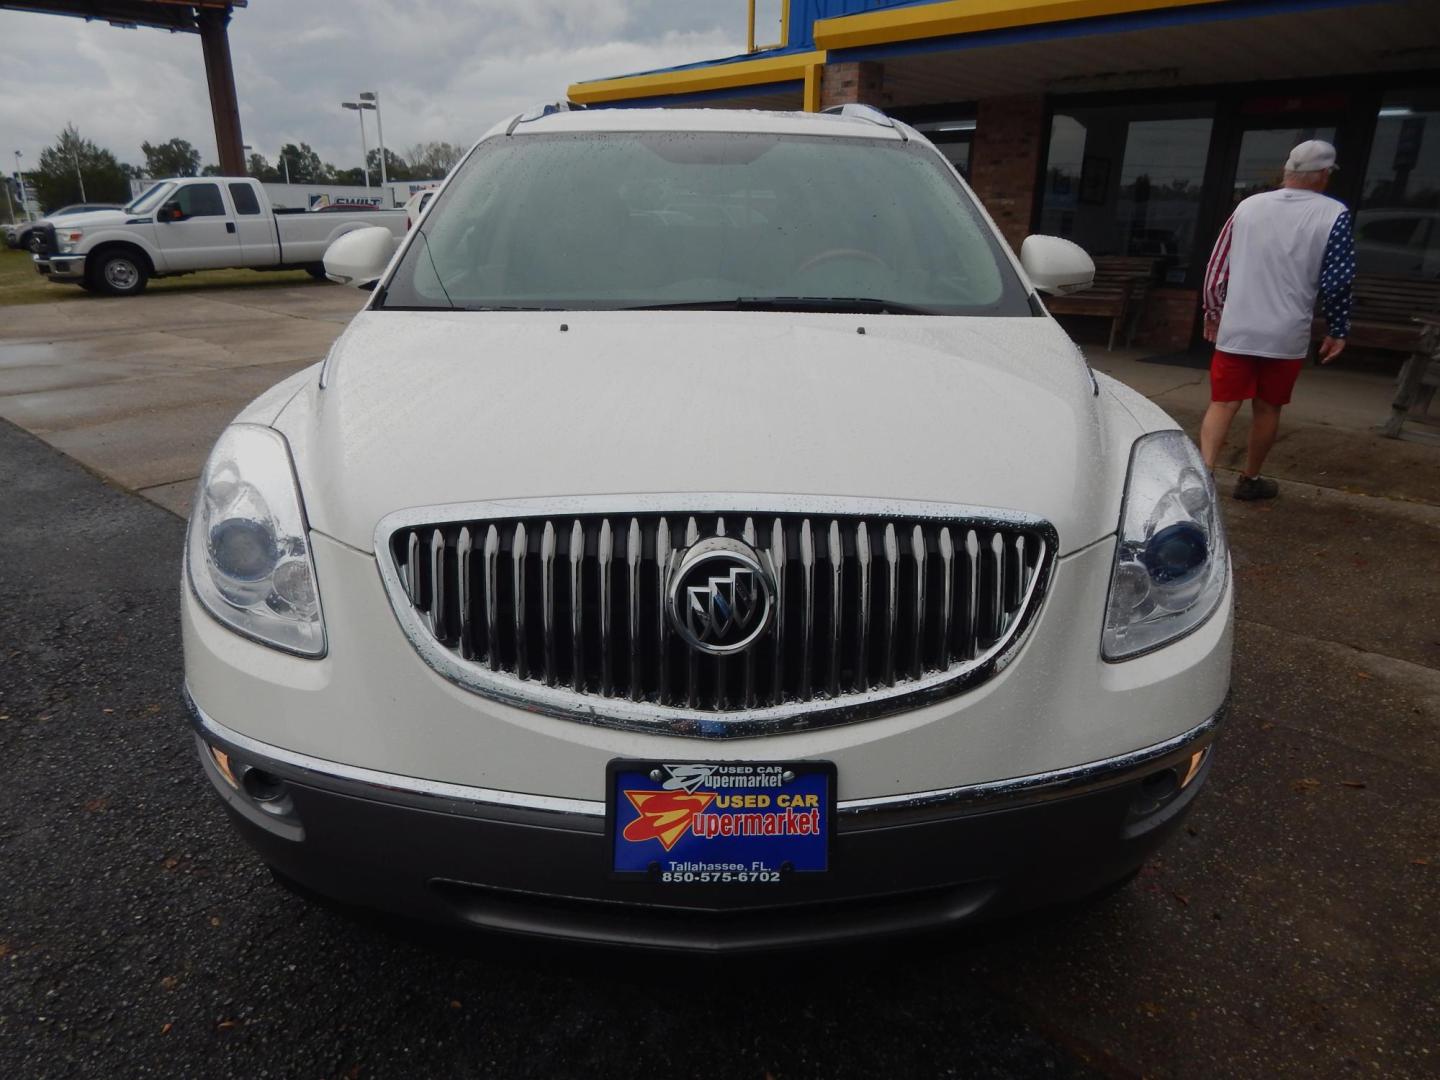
(566, 611)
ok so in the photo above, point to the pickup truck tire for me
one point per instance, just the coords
(118, 272)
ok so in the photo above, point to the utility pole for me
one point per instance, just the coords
(286, 162)
(9, 203)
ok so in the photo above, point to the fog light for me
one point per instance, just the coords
(262, 786)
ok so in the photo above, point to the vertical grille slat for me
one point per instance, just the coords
(662, 623)
(837, 604)
(947, 595)
(995, 586)
(892, 604)
(778, 563)
(863, 605)
(492, 598)
(970, 644)
(547, 601)
(751, 655)
(917, 616)
(692, 659)
(465, 594)
(807, 608)
(412, 569)
(633, 549)
(577, 607)
(517, 562)
(437, 584)
(607, 614)
(862, 641)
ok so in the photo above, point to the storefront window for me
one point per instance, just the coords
(1397, 228)
(1123, 180)
(952, 138)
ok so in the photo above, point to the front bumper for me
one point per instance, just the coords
(61, 267)
(536, 864)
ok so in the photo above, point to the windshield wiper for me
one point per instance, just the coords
(858, 305)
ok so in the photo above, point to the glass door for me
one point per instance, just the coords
(1260, 159)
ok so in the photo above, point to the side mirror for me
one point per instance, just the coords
(359, 257)
(169, 212)
(1055, 266)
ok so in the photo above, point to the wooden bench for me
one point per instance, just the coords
(1121, 282)
(1382, 313)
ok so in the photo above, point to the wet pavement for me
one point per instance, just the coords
(1289, 929)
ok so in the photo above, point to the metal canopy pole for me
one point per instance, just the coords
(372, 98)
(220, 75)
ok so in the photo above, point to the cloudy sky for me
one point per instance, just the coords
(445, 69)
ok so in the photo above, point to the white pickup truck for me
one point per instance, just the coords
(194, 223)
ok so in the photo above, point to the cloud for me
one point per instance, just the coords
(445, 69)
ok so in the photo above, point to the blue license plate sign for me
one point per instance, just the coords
(720, 823)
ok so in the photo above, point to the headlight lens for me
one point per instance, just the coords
(248, 550)
(68, 238)
(1171, 560)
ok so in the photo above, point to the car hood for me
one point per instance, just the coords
(424, 408)
(89, 218)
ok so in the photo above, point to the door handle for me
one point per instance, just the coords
(230, 226)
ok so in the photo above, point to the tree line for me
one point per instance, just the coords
(73, 159)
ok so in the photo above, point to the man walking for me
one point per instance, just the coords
(1276, 253)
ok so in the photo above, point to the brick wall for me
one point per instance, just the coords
(1168, 322)
(861, 82)
(1005, 160)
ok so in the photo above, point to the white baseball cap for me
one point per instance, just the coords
(1313, 155)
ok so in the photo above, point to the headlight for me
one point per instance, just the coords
(248, 551)
(68, 238)
(1171, 559)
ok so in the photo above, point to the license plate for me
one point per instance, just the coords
(719, 823)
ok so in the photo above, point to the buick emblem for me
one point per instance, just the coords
(721, 596)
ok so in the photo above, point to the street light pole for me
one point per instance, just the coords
(286, 162)
(373, 98)
(364, 151)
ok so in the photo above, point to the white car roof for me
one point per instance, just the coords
(725, 120)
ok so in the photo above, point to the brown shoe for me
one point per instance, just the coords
(1250, 488)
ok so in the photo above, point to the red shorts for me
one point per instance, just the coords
(1240, 378)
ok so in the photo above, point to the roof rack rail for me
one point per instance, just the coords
(866, 112)
(542, 109)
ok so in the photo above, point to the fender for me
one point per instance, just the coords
(140, 237)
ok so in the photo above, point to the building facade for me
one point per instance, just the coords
(1130, 126)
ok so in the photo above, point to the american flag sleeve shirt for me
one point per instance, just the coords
(1281, 256)
(1337, 276)
(1217, 272)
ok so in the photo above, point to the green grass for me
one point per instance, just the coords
(20, 284)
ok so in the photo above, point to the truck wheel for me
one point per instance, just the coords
(33, 242)
(317, 271)
(119, 273)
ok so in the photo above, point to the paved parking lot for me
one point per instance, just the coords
(1289, 929)
(136, 390)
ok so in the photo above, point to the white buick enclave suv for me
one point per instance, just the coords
(705, 538)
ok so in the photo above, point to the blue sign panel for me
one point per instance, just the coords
(720, 823)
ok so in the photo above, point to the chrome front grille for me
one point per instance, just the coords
(561, 606)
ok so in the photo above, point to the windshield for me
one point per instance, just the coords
(147, 202)
(631, 220)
